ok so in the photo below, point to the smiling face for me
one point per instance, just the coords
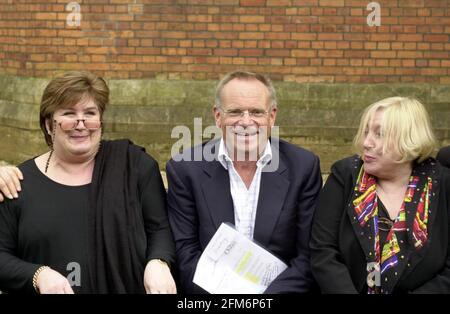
(72, 139)
(376, 162)
(245, 117)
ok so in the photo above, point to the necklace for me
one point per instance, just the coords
(48, 160)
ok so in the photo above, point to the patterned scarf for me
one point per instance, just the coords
(382, 263)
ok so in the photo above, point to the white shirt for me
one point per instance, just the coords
(245, 201)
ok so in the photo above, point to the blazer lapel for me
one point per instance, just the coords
(216, 190)
(415, 255)
(272, 194)
(364, 235)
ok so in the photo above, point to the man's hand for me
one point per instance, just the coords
(10, 177)
(52, 282)
(158, 279)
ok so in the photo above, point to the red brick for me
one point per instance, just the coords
(278, 53)
(410, 46)
(356, 54)
(330, 36)
(383, 54)
(303, 53)
(433, 71)
(435, 63)
(46, 16)
(384, 46)
(411, 20)
(96, 50)
(436, 54)
(251, 52)
(225, 52)
(413, 3)
(382, 37)
(69, 33)
(331, 53)
(422, 63)
(251, 19)
(304, 70)
(331, 3)
(251, 35)
(148, 51)
(355, 71)
(407, 37)
(198, 51)
(278, 3)
(436, 38)
(174, 34)
(304, 36)
(252, 3)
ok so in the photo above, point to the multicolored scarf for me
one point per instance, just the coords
(365, 210)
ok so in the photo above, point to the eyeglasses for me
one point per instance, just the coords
(252, 113)
(71, 124)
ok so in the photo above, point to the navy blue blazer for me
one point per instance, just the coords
(199, 200)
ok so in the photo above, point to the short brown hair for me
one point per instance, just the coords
(68, 90)
(243, 75)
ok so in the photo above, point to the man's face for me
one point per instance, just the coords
(245, 117)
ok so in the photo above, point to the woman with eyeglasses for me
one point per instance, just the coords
(91, 217)
(382, 220)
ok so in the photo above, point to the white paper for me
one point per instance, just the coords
(234, 264)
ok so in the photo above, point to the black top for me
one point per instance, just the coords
(338, 259)
(385, 223)
(48, 225)
(443, 156)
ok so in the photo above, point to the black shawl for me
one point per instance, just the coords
(114, 263)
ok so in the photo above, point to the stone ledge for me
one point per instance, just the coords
(319, 117)
(164, 93)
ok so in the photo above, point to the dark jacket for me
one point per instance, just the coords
(199, 200)
(337, 256)
(443, 156)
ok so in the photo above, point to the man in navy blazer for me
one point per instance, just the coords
(266, 187)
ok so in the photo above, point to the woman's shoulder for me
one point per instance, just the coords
(347, 165)
(28, 167)
(444, 174)
(137, 152)
(443, 156)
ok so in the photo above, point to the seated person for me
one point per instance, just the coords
(264, 186)
(382, 219)
(91, 217)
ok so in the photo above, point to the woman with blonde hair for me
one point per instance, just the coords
(382, 220)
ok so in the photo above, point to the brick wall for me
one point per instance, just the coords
(291, 40)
